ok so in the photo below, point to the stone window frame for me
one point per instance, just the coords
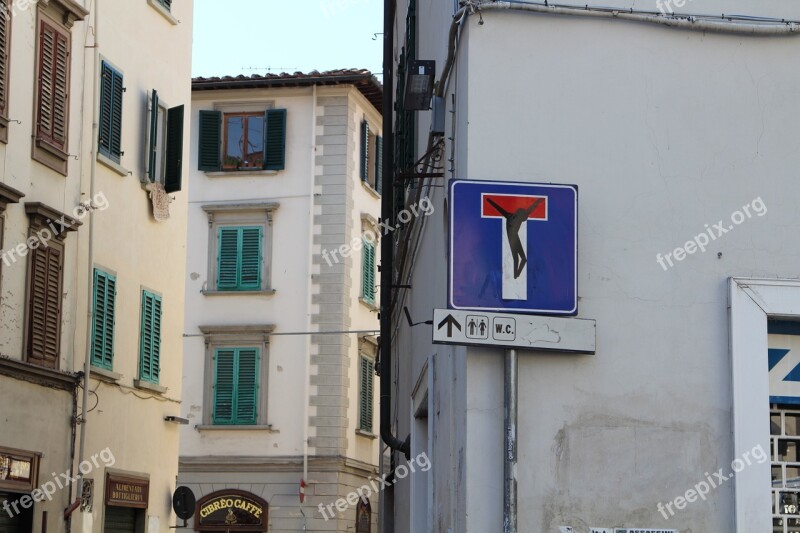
(25, 455)
(8, 195)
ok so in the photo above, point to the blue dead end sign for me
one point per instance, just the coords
(513, 247)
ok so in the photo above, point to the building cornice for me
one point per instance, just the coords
(243, 463)
(39, 375)
(9, 195)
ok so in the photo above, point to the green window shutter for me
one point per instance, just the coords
(174, 156)
(250, 255)
(103, 315)
(239, 258)
(110, 132)
(366, 395)
(379, 164)
(150, 338)
(167, 4)
(275, 140)
(224, 380)
(210, 141)
(368, 272)
(152, 148)
(364, 150)
(247, 386)
(235, 386)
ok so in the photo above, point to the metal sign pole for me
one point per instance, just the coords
(510, 455)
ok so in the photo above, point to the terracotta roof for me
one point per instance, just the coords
(364, 80)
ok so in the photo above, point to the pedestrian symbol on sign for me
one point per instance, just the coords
(477, 327)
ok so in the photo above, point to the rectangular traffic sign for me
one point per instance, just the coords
(504, 330)
(513, 247)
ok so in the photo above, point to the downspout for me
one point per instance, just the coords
(387, 243)
(87, 363)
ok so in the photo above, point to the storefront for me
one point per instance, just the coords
(231, 510)
(126, 502)
(18, 477)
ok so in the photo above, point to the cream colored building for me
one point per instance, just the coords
(87, 273)
(281, 300)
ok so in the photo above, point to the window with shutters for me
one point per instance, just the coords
(166, 3)
(104, 297)
(366, 393)
(368, 272)
(5, 51)
(241, 141)
(164, 143)
(45, 279)
(150, 338)
(52, 94)
(236, 386)
(370, 158)
(240, 247)
(110, 116)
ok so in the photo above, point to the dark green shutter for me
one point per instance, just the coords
(235, 386)
(368, 274)
(366, 395)
(167, 4)
(239, 258)
(150, 338)
(210, 141)
(174, 156)
(275, 140)
(152, 148)
(110, 127)
(379, 164)
(364, 151)
(119, 520)
(103, 314)
(246, 386)
(224, 379)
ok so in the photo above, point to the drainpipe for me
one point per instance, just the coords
(387, 242)
(87, 363)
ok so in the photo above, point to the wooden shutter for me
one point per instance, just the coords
(53, 85)
(173, 173)
(110, 134)
(5, 48)
(209, 141)
(239, 258)
(364, 150)
(152, 145)
(275, 140)
(379, 164)
(167, 4)
(150, 338)
(368, 274)
(44, 305)
(224, 380)
(103, 315)
(246, 385)
(366, 398)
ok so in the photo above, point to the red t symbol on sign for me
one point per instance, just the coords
(516, 211)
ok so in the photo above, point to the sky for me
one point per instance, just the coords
(234, 37)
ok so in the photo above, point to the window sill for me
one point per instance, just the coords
(366, 434)
(370, 189)
(102, 374)
(372, 306)
(150, 387)
(267, 292)
(255, 427)
(240, 173)
(116, 167)
(164, 12)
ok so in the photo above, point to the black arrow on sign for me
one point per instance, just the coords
(449, 321)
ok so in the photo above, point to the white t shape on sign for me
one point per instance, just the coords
(515, 211)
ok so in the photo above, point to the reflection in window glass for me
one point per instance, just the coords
(13, 469)
(234, 129)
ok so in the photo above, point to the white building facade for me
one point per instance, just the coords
(680, 135)
(281, 296)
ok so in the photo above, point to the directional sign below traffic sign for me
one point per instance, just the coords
(506, 330)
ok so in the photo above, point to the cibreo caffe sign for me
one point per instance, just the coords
(231, 510)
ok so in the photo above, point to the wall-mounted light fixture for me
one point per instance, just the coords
(176, 420)
(419, 85)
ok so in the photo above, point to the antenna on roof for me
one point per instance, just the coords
(270, 69)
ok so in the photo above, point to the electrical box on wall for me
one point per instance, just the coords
(437, 116)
